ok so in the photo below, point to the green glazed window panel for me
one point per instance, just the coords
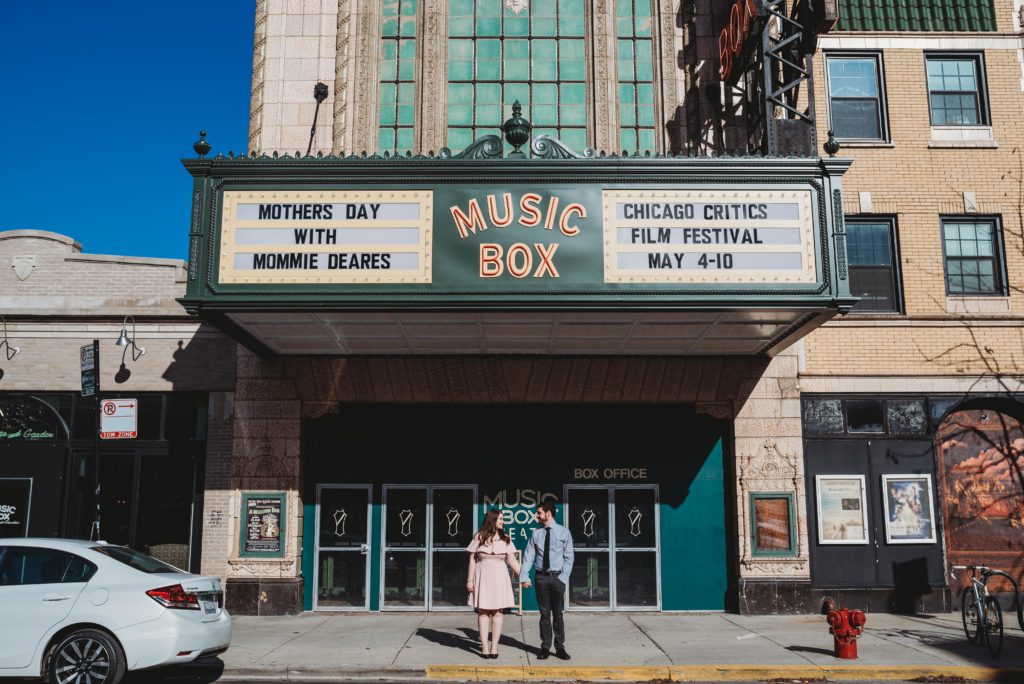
(545, 69)
(406, 93)
(517, 26)
(627, 140)
(389, 26)
(488, 26)
(404, 141)
(645, 140)
(572, 115)
(537, 57)
(406, 70)
(545, 93)
(645, 93)
(645, 116)
(487, 112)
(389, 8)
(916, 15)
(388, 70)
(387, 93)
(488, 50)
(521, 92)
(387, 115)
(544, 25)
(575, 138)
(386, 138)
(407, 27)
(460, 26)
(460, 92)
(460, 114)
(460, 138)
(405, 115)
(407, 49)
(571, 71)
(488, 93)
(545, 115)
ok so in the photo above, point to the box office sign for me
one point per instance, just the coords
(264, 516)
(15, 503)
(540, 238)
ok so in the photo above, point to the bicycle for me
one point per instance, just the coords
(980, 611)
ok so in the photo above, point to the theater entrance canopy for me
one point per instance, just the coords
(552, 253)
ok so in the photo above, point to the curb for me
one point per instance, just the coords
(717, 673)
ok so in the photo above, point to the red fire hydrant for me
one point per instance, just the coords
(846, 626)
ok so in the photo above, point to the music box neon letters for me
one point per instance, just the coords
(530, 212)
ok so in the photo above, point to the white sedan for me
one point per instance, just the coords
(80, 612)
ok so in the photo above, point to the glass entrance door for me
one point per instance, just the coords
(615, 536)
(426, 531)
(343, 544)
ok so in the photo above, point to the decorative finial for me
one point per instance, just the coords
(201, 146)
(517, 131)
(831, 145)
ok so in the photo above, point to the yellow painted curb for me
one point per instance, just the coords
(714, 673)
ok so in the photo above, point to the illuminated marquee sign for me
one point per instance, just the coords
(560, 236)
(682, 236)
(326, 237)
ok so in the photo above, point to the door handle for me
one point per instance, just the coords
(364, 549)
(55, 597)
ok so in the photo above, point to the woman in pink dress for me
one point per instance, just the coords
(489, 584)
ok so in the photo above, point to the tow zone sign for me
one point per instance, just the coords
(118, 419)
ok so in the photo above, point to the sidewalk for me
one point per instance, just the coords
(609, 646)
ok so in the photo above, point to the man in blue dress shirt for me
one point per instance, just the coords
(549, 552)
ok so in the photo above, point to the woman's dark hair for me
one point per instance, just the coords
(490, 529)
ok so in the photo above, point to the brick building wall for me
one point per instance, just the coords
(918, 179)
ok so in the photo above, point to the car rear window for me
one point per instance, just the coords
(139, 561)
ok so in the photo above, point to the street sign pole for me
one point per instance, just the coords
(91, 387)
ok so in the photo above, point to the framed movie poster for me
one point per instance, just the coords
(15, 500)
(909, 509)
(842, 514)
(263, 519)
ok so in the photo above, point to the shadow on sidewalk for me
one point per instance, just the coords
(469, 640)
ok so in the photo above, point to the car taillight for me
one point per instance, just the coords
(174, 596)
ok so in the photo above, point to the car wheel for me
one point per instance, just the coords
(86, 655)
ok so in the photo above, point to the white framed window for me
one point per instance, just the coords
(856, 96)
(956, 89)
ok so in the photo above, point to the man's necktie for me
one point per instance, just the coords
(547, 549)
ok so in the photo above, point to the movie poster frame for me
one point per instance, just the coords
(927, 479)
(863, 510)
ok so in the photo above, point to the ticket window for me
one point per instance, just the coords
(343, 534)
(615, 536)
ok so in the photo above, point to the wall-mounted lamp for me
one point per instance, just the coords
(124, 341)
(5, 343)
(11, 351)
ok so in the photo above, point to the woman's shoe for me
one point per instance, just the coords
(494, 656)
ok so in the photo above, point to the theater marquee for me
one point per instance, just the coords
(605, 254)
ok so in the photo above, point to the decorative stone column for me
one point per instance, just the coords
(265, 459)
(769, 460)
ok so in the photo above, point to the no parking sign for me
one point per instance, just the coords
(118, 419)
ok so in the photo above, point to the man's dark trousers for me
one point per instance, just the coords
(550, 595)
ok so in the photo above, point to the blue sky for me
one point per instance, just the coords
(100, 101)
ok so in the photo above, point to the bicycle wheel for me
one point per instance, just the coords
(969, 613)
(993, 625)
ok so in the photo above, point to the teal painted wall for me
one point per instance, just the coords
(510, 452)
(694, 564)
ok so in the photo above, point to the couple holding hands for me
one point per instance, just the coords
(549, 553)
